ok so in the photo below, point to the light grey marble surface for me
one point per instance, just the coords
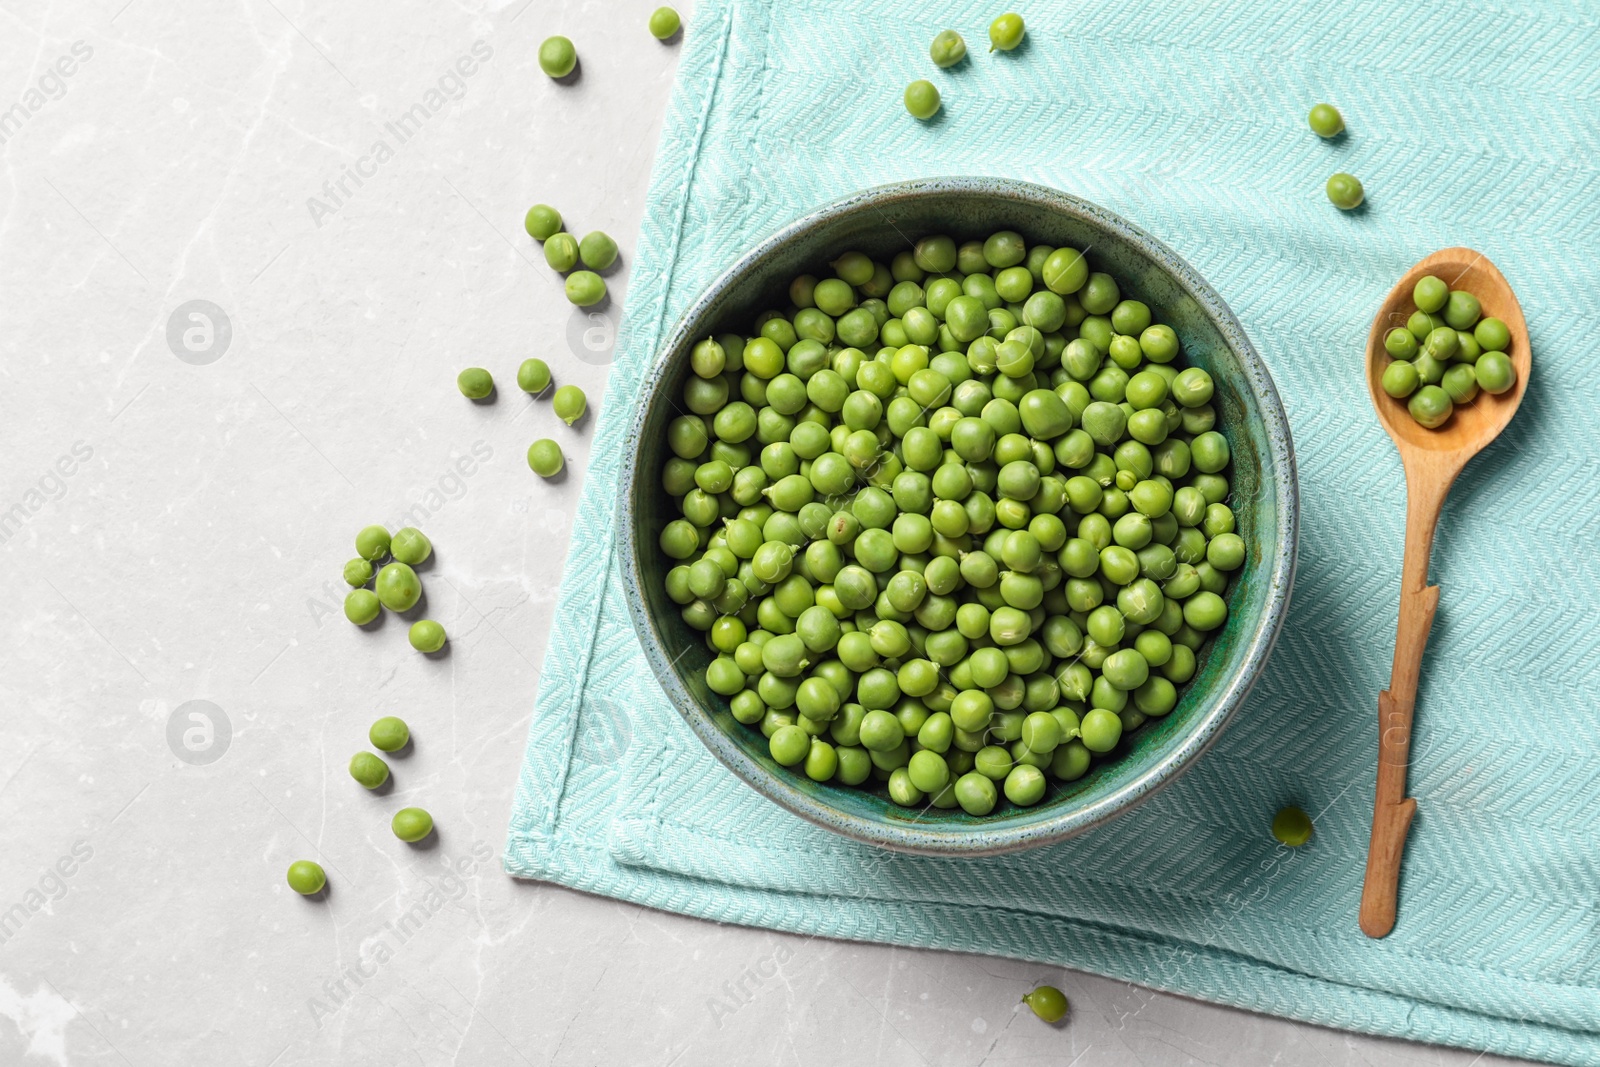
(179, 498)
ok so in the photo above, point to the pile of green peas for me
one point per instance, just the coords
(1446, 353)
(564, 252)
(954, 524)
(385, 563)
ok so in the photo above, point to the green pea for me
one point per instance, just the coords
(1495, 373)
(426, 635)
(533, 376)
(411, 824)
(585, 288)
(1400, 379)
(357, 572)
(789, 745)
(1492, 334)
(1345, 192)
(1193, 387)
(372, 543)
(1430, 294)
(922, 99)
(1326, 121)
(570, 403)
(1205, 611)
(975, 793)
(557, 57)
(597, 251)
(561, 252)
(306, 878)
(1400, 343)
(1431, 406)
(664, 23)
(947, 49)
(369, 770)
(1462, 310)
(1047, 1002)
(1291, 826)
(397, 587)
(542, 221)
(1006, 33)
(475, 383)
(389, 734)
(1101, 730)
(1460, 382)
(1442, 343)
(545, 459)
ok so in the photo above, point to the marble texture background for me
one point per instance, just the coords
(244, 249)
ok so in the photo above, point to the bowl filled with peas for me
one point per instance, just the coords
(959, 516)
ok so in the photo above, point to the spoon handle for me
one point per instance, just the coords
(1427, 482)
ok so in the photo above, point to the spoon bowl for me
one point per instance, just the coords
(1432, 459)
(1473, 425)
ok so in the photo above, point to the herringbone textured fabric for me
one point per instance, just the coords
(1476, 125)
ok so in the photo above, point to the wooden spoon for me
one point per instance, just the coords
(1432, 459)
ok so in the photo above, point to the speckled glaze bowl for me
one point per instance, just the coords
(882, 222)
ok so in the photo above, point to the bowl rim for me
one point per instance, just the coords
(970, 841)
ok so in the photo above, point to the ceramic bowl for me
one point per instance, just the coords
(881, 222)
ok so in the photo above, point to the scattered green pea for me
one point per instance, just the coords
(585, 288)
(533, 376)
(1006, 32)
(570, 403)
(1291, 827)
(557, 56)
(389, 734)
(426, 635)
(397, 586)
(545, 458)
(410, 546)
(1326, 121)
(411, 824)
(475, 383)
(948, 49)
(372, 543)
(542, 221)
(664, 22)
(561, 252)
(361, 606)
(306, 878)
(1345, 192)
(922, 99)
(358, 572)
(1048, 1003)
(369, 770)
(597, 250)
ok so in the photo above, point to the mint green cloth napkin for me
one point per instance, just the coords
(1470, 124)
